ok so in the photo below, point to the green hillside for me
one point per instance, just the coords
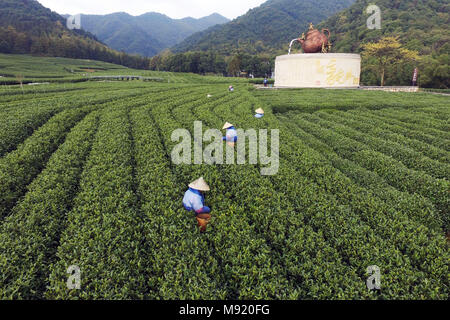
(52, 69)
(265, 29)
(421, 25)
(16, 68)
(27, 27)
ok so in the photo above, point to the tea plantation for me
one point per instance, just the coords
(86, 179)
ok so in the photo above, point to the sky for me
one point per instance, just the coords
(175, 9)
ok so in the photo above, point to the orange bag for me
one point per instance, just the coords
(203, 222)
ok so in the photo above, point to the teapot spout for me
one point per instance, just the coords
(290, 45)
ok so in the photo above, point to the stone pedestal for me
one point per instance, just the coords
(318, 70)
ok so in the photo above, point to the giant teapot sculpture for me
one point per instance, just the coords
(314, 41)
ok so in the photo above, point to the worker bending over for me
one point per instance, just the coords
(194, 200)
(231, 134)
(259, 113)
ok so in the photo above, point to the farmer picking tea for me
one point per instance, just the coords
(194, 200)
(231, 134)
(259, 113)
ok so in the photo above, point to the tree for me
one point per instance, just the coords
(387, 52)
(4, 47)
(220, 66)
(234, 66)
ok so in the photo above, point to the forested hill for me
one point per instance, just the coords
(421, 25)
(264, 29)
(146, 34)
(28, 27)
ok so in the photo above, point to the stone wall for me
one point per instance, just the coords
(393, 89)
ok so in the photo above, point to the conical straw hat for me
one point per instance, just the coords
(227, 125)
(199, 184)
(260, 111)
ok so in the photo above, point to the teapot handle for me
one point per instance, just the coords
(329, 33)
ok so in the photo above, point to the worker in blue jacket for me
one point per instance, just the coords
(194, 200)
(259, 113)
(231, 134)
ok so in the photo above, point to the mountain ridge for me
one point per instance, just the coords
(146, 34)
(266, 28)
